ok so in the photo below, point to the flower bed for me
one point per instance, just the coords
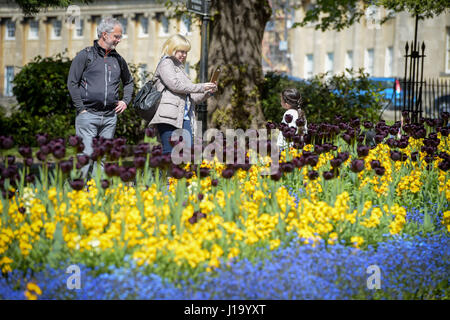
(338, 204)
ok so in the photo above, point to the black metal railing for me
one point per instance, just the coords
(433, 98)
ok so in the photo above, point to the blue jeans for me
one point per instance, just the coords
(165, 132)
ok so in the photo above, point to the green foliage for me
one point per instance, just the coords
(24, 126)
(324, 98)
(41, 86)
(331, 14)
(29, 7)
(41, 91)
(129, 124)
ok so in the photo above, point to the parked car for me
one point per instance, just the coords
(443, 103)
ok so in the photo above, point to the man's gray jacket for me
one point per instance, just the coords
(94, 85)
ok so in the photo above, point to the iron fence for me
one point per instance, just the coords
(433, 98)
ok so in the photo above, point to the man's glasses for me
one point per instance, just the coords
(116, 36)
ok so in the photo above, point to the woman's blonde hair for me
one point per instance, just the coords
(175, 43)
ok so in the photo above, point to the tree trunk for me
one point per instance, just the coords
(237, 31)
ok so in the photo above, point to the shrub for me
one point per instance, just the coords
(41, 86)
(41, 91)
(324, 98)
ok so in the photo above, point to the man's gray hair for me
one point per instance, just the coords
(107, 25)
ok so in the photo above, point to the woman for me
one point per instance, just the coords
(291, 101)
(179, 94)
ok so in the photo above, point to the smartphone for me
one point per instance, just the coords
(216, 74)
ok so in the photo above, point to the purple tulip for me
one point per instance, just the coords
(111, 169)
(312, 160)
(40, 156)
(139, 162)
(368, 124)
(277, 176)
(357, 165)
(41, 138)
(155, 161)
(45, 149)
(74, 140)
(30, 178)
(28, 162)
(25, 151)
(10, 160)
(177, 173)
(77, 184)
(288, 118)
(362, 151)
(196, 217)
(156, 151)
(105, 184)
(214, 182)
(150, 132)
(312, 175)
(336, 162)
(396, 155)
(82, 159)
(444, 165)
(328, 175)
(59, 151)
(380, 170)
(190, 174)
(227, 173)
(347, 138)
(204, 172)
(6, 142)
(300, 122)
(119, 142)
(287, 167)
(318, 149)
(66, 166)
(96, 154)
(343, 156)
(379, 138)
(375, 164)
(429, 158)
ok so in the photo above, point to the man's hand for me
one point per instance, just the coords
(121, 106)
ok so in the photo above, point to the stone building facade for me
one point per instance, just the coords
(379, 49)
(301, 52)
(55, 31)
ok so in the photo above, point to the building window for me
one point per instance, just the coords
(186, 24)
(124, 22)
(164, 29)
(143, 26)
(34, 30)
(388, 62)
(57, 26)
(187, 68)
(79, 29)
(369, 61)
(447, 65)
(10, 30)
(329, 63)
(348, 60)
(9, 77)
(309, 66)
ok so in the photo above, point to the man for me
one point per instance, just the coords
(93, 83)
